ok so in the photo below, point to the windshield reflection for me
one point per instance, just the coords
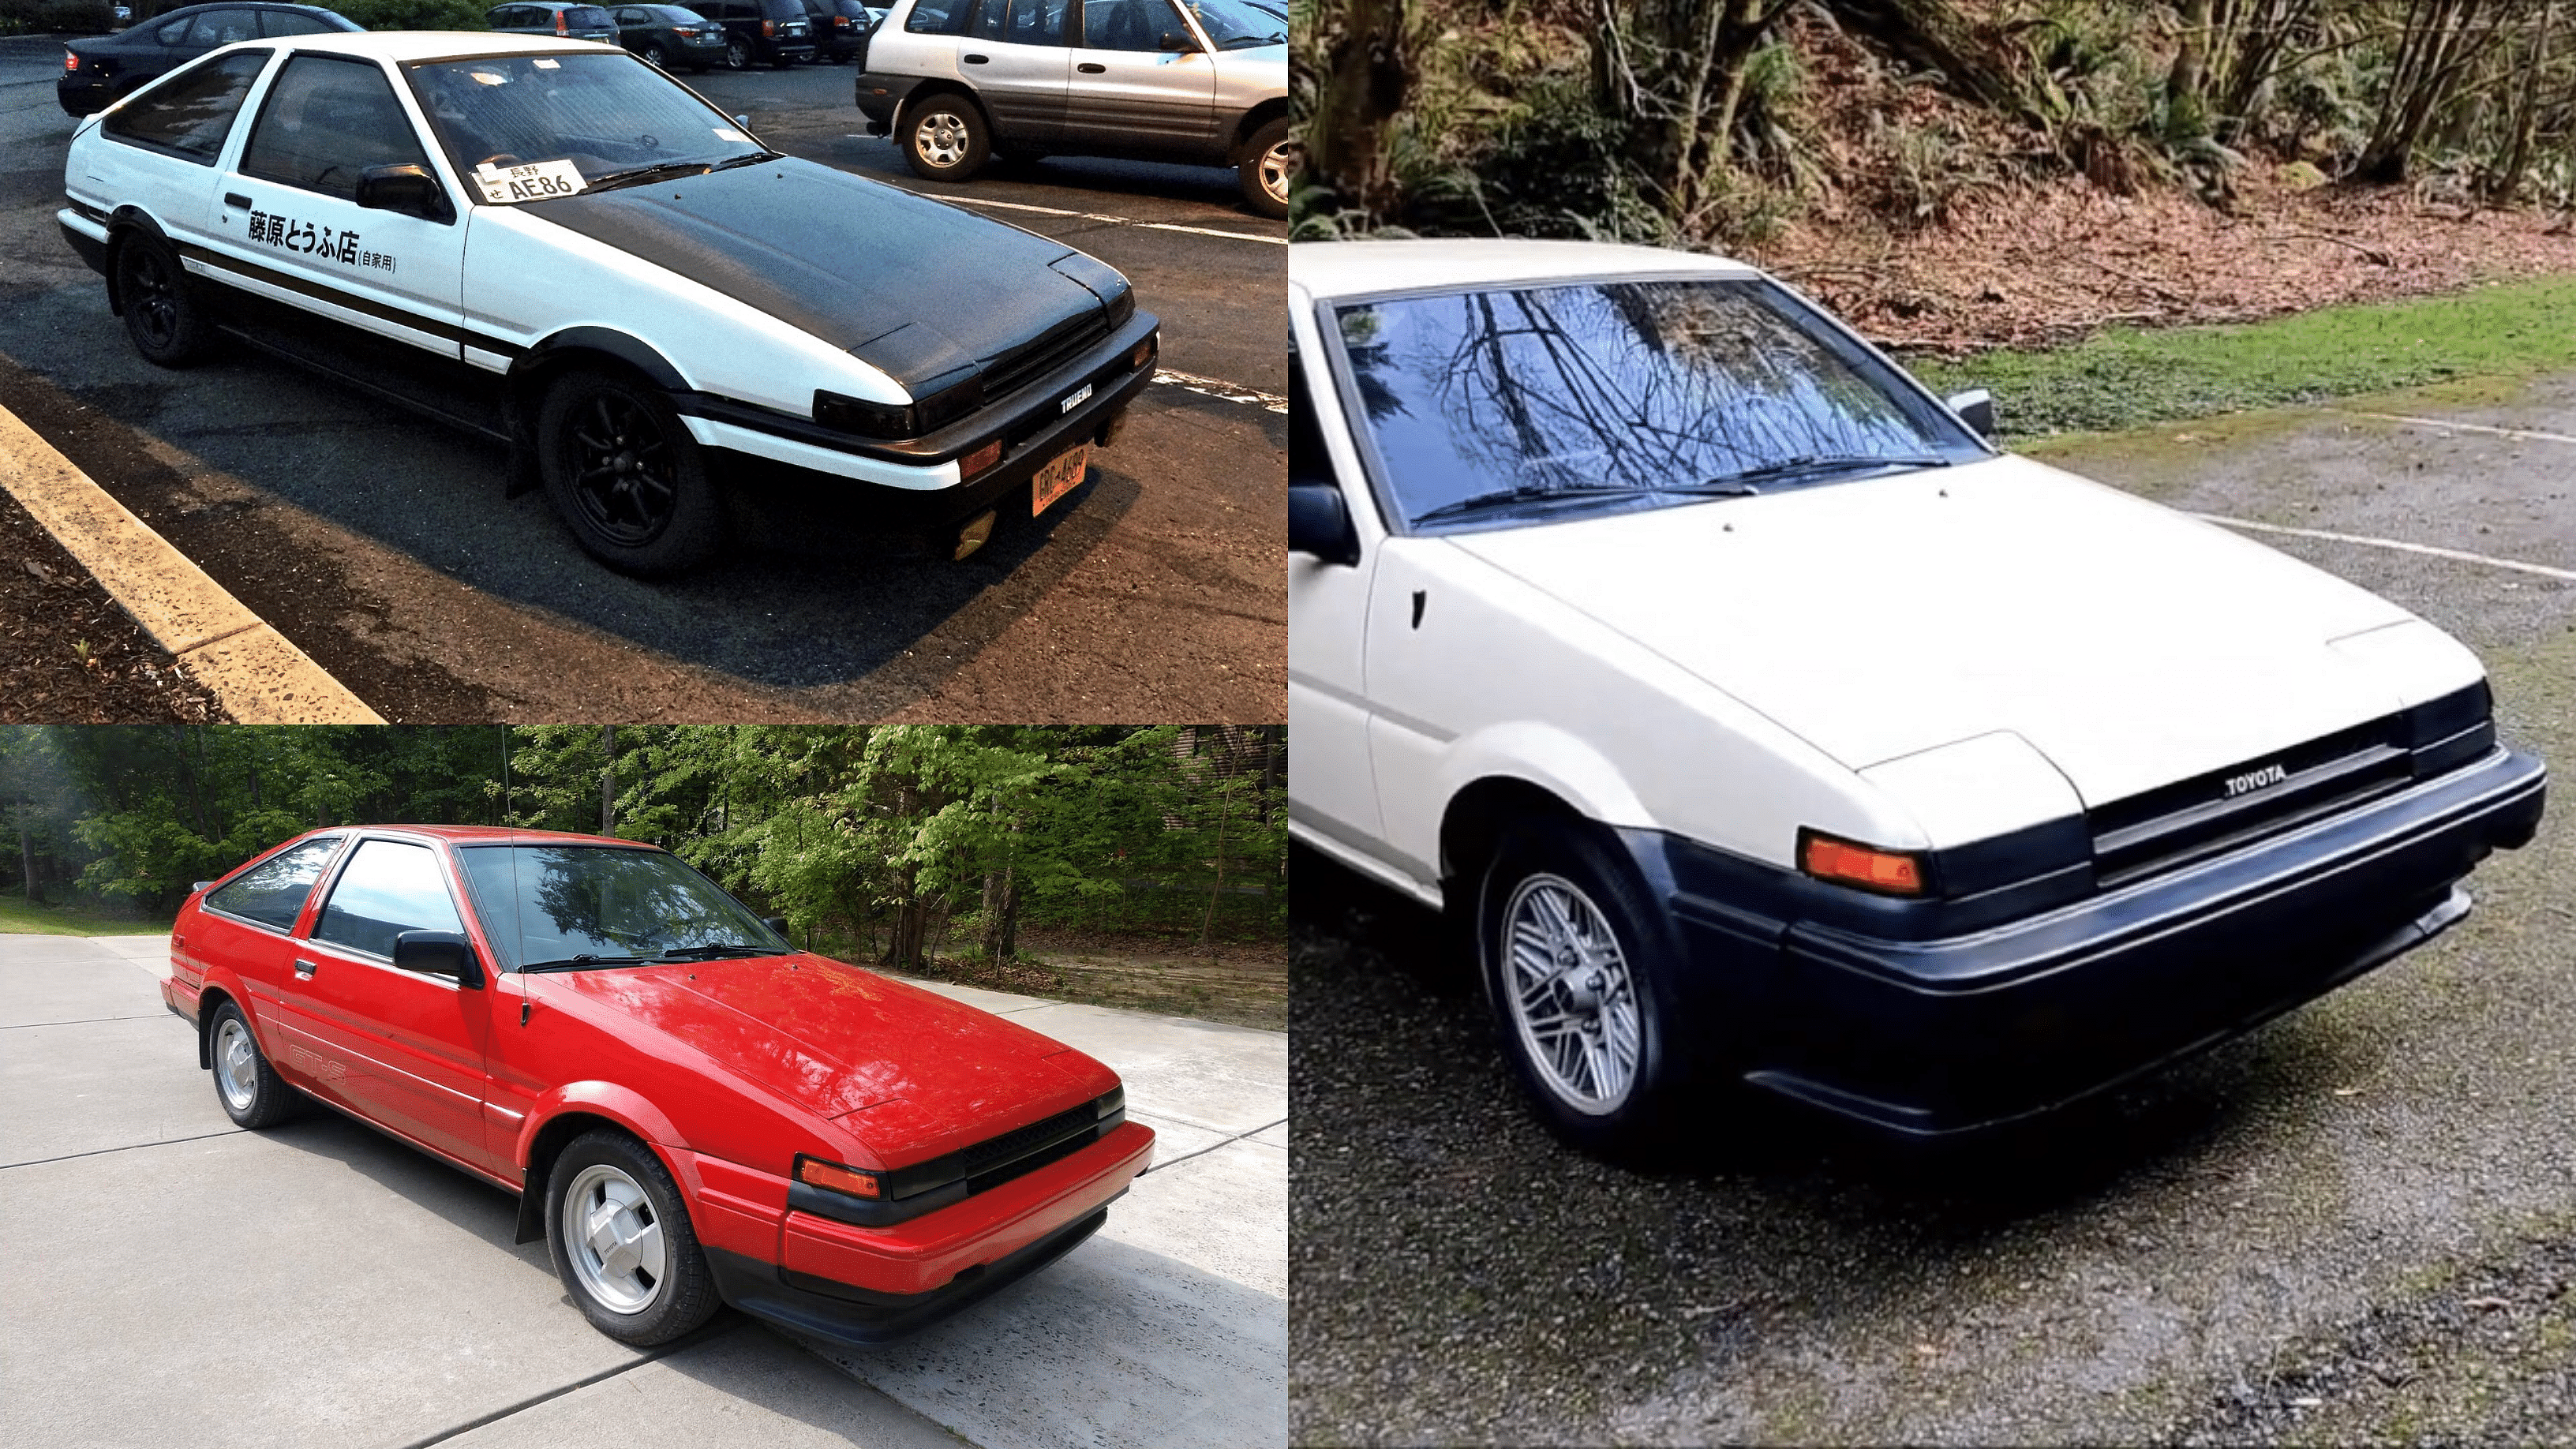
(560, 903)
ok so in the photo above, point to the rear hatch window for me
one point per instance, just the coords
(588, 17)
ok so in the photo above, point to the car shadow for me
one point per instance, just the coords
(877, 158)
(1758, 1216)
(810, 596)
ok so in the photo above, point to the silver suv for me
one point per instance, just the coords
(1204, 81)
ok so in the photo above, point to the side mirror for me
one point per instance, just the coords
(776, 923)
(1319, 523)
(438, 953)
(743, 121)
(1976, 408)
(407, 188)
(1175, 41)
(199, 888)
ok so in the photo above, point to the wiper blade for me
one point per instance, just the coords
(586, 962)
(754, 159)
(1823, 463)
(709, 953)
(1526, 493)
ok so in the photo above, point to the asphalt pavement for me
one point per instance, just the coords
(2355, 1225)
(176, 1280)
(382, 545)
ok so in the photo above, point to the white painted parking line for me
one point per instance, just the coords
(1217, 387)
(2457, 555)
(2530, 433)
(1276, 241)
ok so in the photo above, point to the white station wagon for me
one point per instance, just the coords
(1771, 727)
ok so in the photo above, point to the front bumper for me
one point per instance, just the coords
(1928, 1038)
(856, 1285)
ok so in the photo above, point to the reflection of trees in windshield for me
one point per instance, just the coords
(567, 901)
(1628, 384)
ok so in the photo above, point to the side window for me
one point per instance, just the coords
(287, 22)
(939, 17)
(1129, 24)
(388, 887)
(1308, 461)
(223, 27)
(326, 121)
(1021, 22)
(272, 893)
(190, 113)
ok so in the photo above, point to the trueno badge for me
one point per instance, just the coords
(2253, 780)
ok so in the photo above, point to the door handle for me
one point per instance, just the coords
(303, 970)
(237, 200)
(978, 59)
(1092, 67)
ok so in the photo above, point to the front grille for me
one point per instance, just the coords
(1017, 368)
(997, 1160)
(2175, 824)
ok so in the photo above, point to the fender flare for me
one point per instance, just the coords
(634, 352)
(1553, 759)
(623, 1106)
(126, 218)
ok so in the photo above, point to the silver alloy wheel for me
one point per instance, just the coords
(1573, 999)
(613, 1239)
(940, 137)
(1275, 165)
(236, 1064)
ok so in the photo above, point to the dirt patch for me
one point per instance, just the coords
(68, 654)
(1246, 984)
(2032, 265)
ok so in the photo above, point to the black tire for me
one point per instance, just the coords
(1269, 161)
(684, 1295)
(267, 1100)
(737, 54)
(1539, 857)
(655, 56)
(944, 139)
(162, 317)
(628, 479)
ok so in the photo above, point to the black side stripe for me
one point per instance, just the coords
(222, 263)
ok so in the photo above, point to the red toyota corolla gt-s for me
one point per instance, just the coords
(690, 1109)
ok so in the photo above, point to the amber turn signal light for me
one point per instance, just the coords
(833, 1175)
(979, 460)
(1889, 872)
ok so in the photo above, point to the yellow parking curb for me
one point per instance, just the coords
(258, 675)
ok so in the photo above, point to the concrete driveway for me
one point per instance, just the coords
(179, 1281)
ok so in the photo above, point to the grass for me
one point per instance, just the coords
(17, 917)
(2126, 378)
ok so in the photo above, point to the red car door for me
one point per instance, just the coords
(411, 1045)
(245, 926)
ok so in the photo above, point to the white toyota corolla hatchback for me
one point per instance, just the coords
(1771, 727)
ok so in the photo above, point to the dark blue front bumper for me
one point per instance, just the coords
(1952, 1033)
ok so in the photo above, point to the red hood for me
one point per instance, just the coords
(929, 1074)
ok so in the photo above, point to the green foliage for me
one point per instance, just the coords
(414, 14)
(2128, 378)
(61, 17)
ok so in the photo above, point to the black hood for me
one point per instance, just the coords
(913, 287)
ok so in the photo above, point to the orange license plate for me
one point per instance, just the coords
(1059, 477)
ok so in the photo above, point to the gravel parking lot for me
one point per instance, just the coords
(180, 1281)
(2354, 1225)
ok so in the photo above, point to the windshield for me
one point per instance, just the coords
(552, 905)
(1490, 408)
(566, 123)
(1234, 25)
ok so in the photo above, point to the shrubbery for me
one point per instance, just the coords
(411, 14)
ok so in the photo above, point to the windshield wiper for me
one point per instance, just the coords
(709, 953)
(754, 159)
(586, 962)
(1525, 493)
(1819, 463)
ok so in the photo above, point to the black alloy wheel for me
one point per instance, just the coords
(161, 318)
(624, 472)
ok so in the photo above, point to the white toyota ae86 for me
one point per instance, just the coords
(554, 245)
(1771, 727)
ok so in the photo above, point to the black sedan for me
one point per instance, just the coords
(102, 70)
(670, 36)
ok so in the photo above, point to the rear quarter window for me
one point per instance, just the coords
(189, 114)
(273, 892)
(939, 17)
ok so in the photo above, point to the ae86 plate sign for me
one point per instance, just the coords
(528, 181)
(1057, 478)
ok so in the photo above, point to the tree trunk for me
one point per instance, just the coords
(1207, 926)
(608, 780)
(1001, 914)
(1368, 83)
(27, 850)
(1933, 35)
(2186, 91)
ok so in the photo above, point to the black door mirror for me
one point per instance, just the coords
(438, 953)
(1976, 408)
(1174, 40)
(1319, 523)
(407, 188)
(776, 923)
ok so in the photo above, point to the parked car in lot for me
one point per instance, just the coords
(1769, 727)
(691, 1110)
(762, 32)
(670, 37)
(840, 29)
(558, 247)
(1205, 83)
(99, 70)
(572, 22)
